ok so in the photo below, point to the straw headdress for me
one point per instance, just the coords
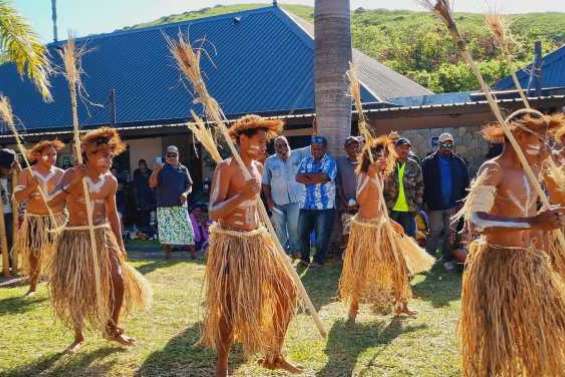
(530, 124)
(104, 136)
(273, 127)
(373, 147)
(43, 145)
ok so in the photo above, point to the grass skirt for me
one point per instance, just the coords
(556, 254)
(247, 285)
(513, 314)
(74, 294)
(37, 237)
(374, 270)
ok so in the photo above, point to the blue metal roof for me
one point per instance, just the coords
(553, 72)
(264, 64)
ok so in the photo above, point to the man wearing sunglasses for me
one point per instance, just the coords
(445, 183)
(173, 184)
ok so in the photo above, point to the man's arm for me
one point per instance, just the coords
(154, 177)
(68, 181)
(220, 207)
(112, 211)
(266, 184)
(26, 186)
(419, 194)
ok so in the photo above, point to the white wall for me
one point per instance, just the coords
(147, 149)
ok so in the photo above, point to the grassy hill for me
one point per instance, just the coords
(416, 44)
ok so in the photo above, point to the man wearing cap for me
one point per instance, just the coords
(346, 183)
(317, 208)
(173, 184)
(446, 180)
(404, 188)
(283, 193)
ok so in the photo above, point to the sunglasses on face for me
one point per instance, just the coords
(446, 145)
(171, 155)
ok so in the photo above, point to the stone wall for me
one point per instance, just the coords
(468, 143)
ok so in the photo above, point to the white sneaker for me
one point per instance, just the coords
(449, 266)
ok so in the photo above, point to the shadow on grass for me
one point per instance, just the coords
(321, 283)
(19, 304)
(439, 287)
(182, 357)
(61, 364)
(164, 263)
(346, 341)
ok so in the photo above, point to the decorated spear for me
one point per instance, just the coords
(71, 60)
(188, 61)
(444, 11)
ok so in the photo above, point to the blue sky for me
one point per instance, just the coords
(98, 16)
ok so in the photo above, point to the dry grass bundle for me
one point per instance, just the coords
(204, 135)
(501, 34)
(513, 314)
(188, 61)
(6, 113)
(355, 91)
(257, 294)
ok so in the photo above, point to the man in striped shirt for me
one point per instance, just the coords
(317, 209)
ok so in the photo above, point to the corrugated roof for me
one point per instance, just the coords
(264, 64)
(553, 72)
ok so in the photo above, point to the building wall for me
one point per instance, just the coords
(147, 148)
(468, 143)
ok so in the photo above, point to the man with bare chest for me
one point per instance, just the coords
(37, 235)
(91, 283)
(513, 304)
(554, 180)
(250, 295)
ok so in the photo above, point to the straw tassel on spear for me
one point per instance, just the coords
(443, 10)
(188, 61)
(71, 59)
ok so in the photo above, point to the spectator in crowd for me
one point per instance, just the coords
(283, 193)
(317, 209)
(445, 182)
(404, 188)
(7, 164)
(173, 184)
(346, 183)
(200, 224)
(144, 197)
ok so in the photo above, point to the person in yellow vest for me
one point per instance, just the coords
(404, 188)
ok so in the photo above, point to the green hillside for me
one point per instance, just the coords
(416, 44)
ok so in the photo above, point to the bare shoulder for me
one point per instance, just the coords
(490, 172)
(58, 171)
(110, 179)
(259, 166)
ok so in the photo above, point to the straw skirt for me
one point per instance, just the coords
(374, 270)
(249, 290)
(513, 314)
(37, 237)
(77, 299)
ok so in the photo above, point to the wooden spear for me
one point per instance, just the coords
(443, 9)
(71, 59)
(188, 61)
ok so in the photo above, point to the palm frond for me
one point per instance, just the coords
(20, 45)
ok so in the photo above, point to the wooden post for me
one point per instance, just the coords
(3, 239)
(15, 220)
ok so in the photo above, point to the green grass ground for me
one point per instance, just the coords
(31, 341)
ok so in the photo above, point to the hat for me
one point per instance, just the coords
(7, 158)
(319, 140)
(402, 141)
(352, 139)
(446, 136)
(172, 149)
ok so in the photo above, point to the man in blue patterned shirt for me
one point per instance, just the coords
(317, 208)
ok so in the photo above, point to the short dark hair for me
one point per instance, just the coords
(142, 160)
(250, 132)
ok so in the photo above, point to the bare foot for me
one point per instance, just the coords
(352, 315)
(404, 310)
(30, 293)
(281, 363)
(75, 346)
(121, 339)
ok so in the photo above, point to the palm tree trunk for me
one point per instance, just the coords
(332, 23)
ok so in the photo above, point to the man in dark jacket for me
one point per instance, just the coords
(446, 180)
(404, 188)
(144, 197)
